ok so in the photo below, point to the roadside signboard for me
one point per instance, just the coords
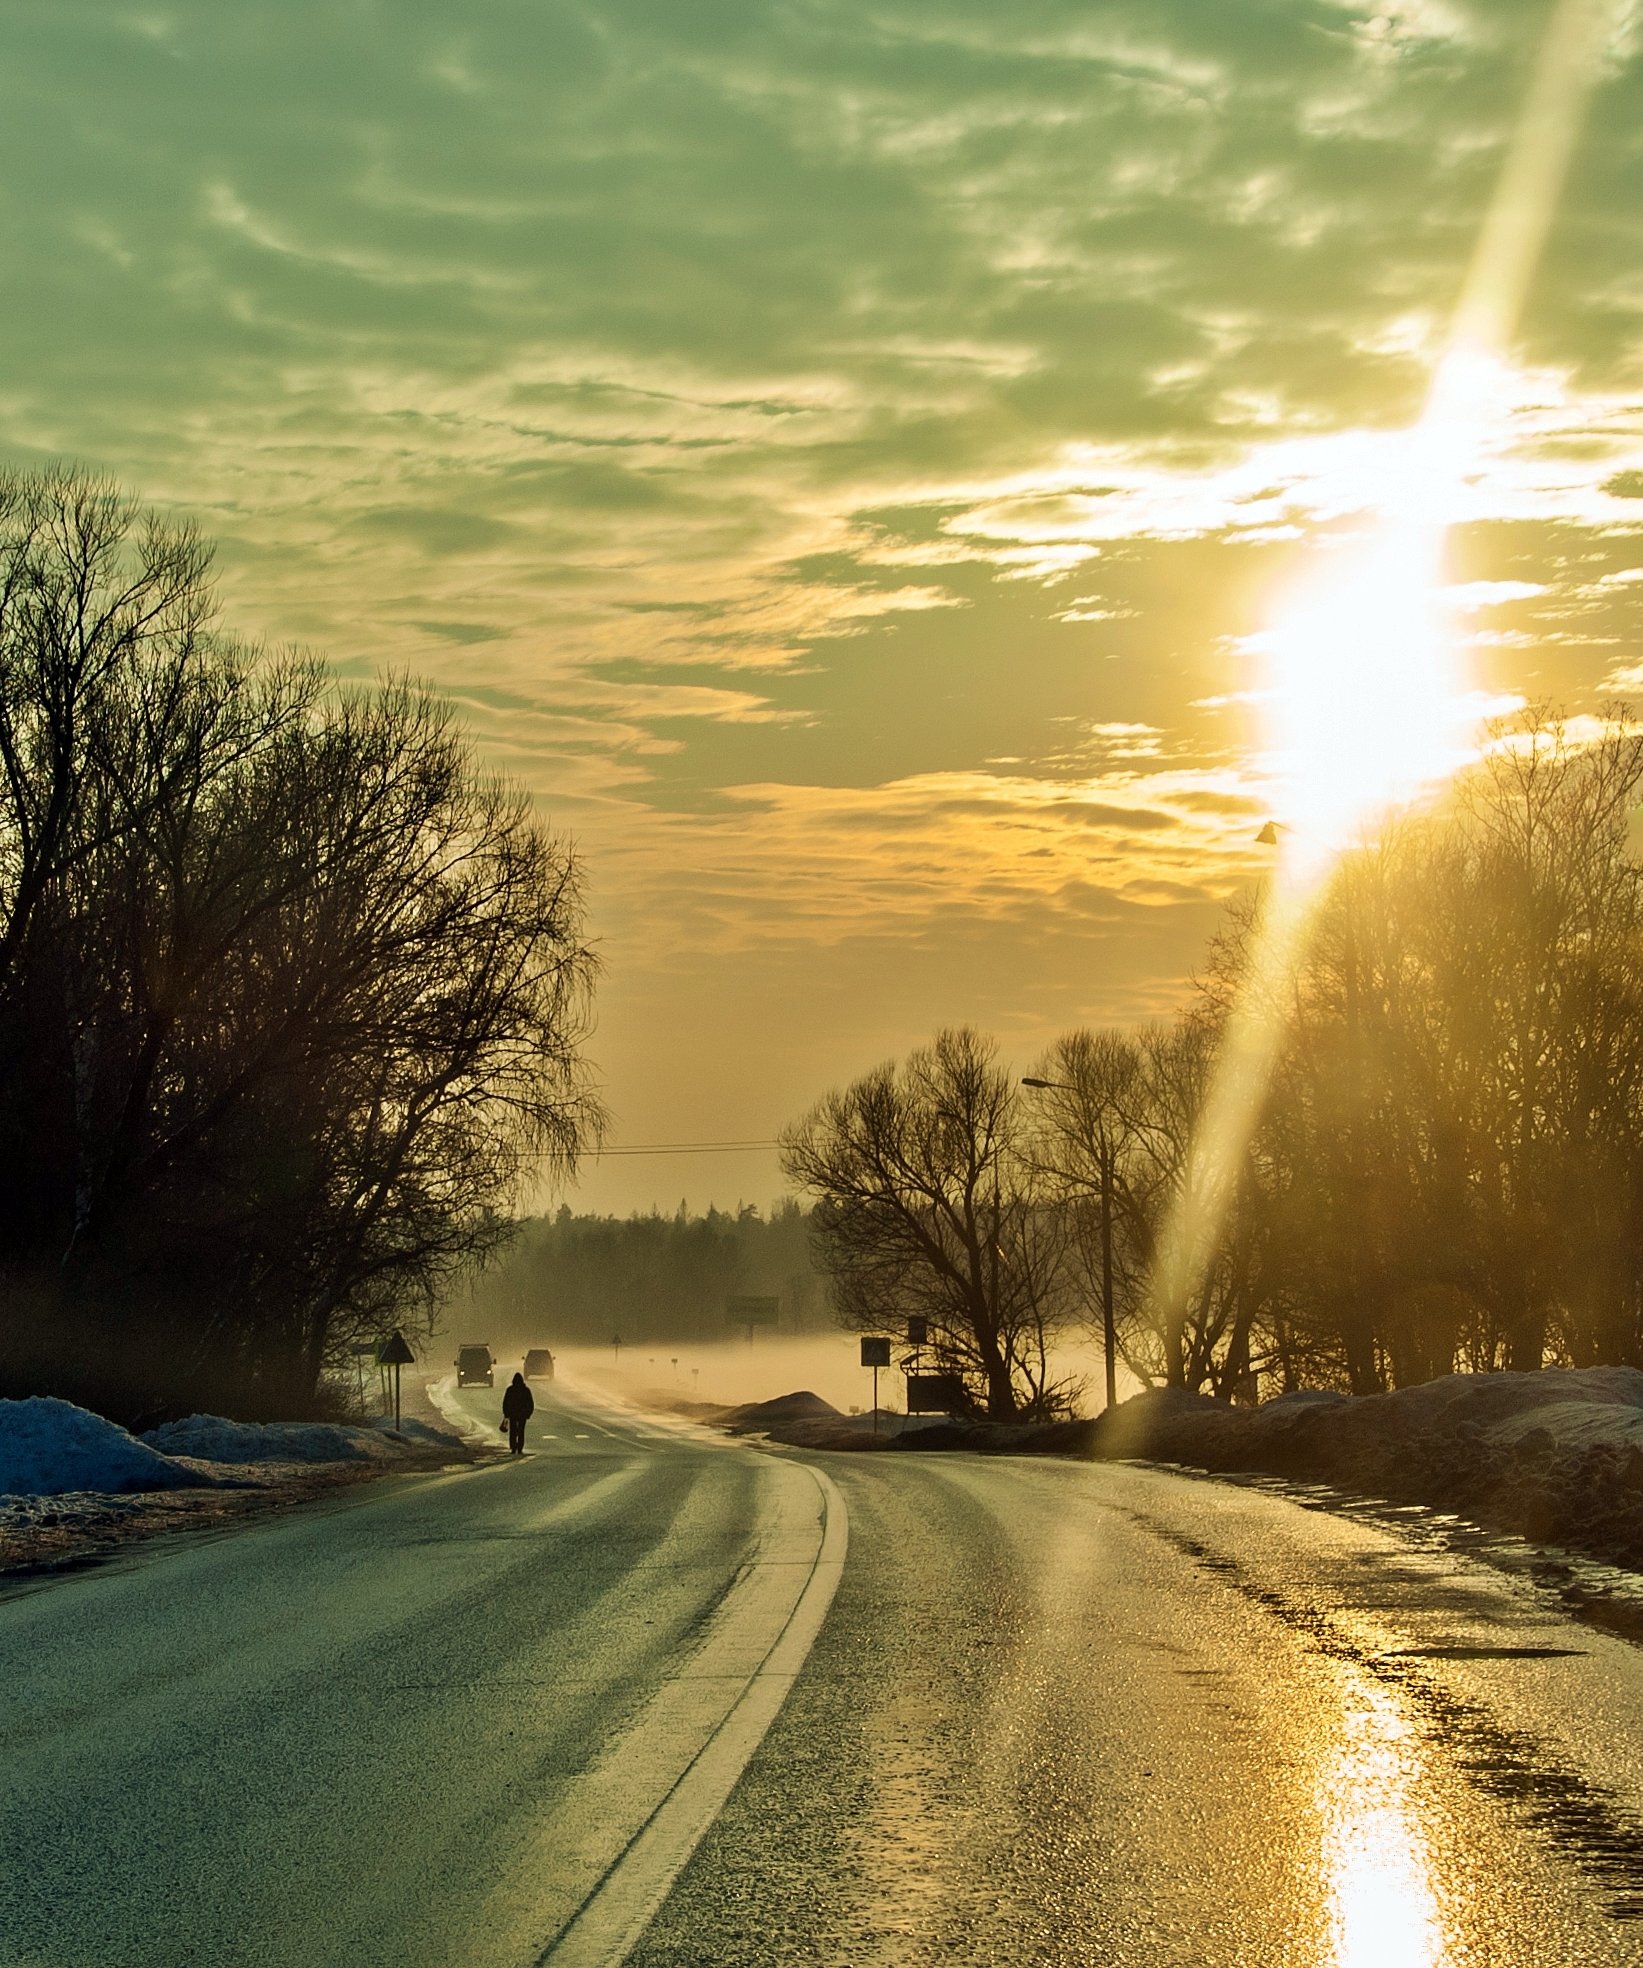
(751, 1312)
(396, 1353)
(936, 1393)
(875, 1353)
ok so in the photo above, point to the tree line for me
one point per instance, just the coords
(292, 995)
(1446, 1167)
(581, 1280)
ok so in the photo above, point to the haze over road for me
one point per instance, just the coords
(1031, 1713)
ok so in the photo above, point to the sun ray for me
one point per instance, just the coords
(1369, 703)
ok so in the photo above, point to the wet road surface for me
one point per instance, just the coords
(1057, 1714)
(1069, 1714)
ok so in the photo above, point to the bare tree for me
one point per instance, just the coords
(926, 1204)
(295, 997)
(1087, 1145)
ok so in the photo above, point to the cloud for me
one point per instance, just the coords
(716, 400)
(1469, 596)
(779, 862)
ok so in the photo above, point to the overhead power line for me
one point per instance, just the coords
(686, 1148)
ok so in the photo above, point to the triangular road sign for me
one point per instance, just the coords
(395, 1351)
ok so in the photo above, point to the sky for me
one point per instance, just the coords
(839, 457)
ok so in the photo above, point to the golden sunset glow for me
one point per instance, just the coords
(921, 502)
(1368, 703)
(1366, 695)
(1369, 698)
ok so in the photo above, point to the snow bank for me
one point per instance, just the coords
(209, 1438)
(1480, 1415)
(1555, 1456)
(1571, 1424)
(50, 1448)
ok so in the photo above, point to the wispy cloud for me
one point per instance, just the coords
(756, 421)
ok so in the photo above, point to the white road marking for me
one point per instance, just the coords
(649, 1424)
(628, 1825)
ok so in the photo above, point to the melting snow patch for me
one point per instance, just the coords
(50, 1447)
(209, 1438)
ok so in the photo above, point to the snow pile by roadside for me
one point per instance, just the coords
(75, 1487)
(416, 1434)
(1556, 1456)
(1491, 1416)
(209, 1438)
(802, 1419)
(52, 1448)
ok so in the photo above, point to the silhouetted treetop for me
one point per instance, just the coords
(292, 995)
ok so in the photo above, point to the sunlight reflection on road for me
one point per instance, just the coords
(1383, 1909)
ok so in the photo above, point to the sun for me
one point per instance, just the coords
(1369, 700)
(1366, 695)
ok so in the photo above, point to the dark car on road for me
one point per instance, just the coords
(475, 1367)
(539, 1364)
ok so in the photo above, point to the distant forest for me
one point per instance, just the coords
(579, 1280)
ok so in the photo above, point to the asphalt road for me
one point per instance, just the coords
(646, 1695)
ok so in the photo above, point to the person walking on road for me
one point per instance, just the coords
(518, 1405)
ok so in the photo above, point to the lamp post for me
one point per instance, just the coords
(1102, 1142)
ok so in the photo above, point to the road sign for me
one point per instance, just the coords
(875, 1353)
(751, 1312)
(396, 1353)
(918, 1330)
(935, 1394)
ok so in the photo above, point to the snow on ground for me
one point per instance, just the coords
(209, 1438)
(1555, 1456)
(422, 1434)
(75, 1487)
(1556, 1413)
(1573, 1424)
(50, 1448)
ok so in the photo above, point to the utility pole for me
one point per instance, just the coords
(1109, 1324)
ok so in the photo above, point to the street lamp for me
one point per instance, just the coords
(1104, 1168)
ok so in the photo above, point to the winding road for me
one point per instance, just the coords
(649, 1696)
